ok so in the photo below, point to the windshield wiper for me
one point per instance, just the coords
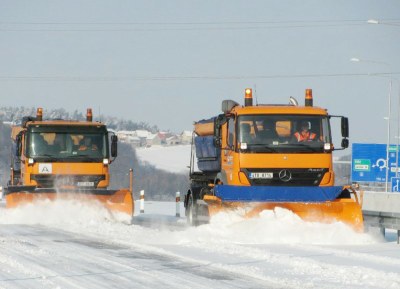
(81, 155)
(46, 156)
(261, 147)
(311, 148)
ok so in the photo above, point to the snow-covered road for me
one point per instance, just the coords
(40, 257)
(86, 247)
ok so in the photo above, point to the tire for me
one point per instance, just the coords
(196, 214)
(191, 214)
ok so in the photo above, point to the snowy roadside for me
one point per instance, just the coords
(276, 250)
(174, 159)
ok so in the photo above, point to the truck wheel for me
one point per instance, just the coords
(191, 215)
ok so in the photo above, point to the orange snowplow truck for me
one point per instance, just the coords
(64, 159)
(259, 157)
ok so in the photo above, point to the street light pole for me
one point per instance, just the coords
(398, 132)
(354, 59)
(388, 137)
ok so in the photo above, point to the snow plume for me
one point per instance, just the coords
(60, 212)
(280, 226)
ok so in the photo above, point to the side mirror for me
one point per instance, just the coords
(18, 147)
(114, 146)
(345, 127)
(217, 141)
(345, 143)
(219, 121)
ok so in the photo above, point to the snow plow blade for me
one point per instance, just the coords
(113, 200)
(315, 204)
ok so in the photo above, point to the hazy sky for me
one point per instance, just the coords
(170, 63)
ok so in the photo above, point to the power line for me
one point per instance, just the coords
(173, 29)
(194, 23)
(179, 26)
(182, 78)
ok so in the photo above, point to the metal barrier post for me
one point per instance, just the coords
(142, 201)
(178, 204)
(131, 180)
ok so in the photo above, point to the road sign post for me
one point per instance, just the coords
(395, 187)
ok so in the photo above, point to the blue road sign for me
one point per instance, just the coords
(369, 162)
(395, 185)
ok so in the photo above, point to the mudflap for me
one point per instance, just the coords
(314, 204)
(197, 211)
(113, 200)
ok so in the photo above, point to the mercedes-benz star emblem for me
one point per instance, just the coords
(285, 175)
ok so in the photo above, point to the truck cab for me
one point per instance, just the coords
(62, 154)
(264, 145)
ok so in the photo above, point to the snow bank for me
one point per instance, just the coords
(174, 159)
(277, 249)
(271, 227)
(280, 226)
(60, 213)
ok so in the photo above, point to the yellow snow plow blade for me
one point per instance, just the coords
(113, 200)
(346, 210)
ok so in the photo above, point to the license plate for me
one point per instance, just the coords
(261, 175)
(85, 184)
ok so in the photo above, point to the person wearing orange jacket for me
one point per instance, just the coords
(86, 144)
(305, 134)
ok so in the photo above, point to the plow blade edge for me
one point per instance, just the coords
(315, 204)
(113, 200)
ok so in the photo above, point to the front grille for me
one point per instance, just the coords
(53, 181)
(298, 177)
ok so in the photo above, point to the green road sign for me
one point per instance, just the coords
(361, 165)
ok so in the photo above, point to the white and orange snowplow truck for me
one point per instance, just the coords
(259, 157)
(64, 159)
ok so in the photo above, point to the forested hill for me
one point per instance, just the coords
(15, 114)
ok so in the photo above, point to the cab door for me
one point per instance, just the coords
(228, 149)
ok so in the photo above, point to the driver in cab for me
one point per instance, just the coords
(304, 134)
(87, 145)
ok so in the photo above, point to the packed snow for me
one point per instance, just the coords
(169, 158)
(67, 244)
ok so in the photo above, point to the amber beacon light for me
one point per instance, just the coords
(89, 115)
(248, 97)
(39, 114)
(309, 98)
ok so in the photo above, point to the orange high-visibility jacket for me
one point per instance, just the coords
(305, 136)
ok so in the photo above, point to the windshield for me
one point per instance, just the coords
(67, 145)
(282, 133)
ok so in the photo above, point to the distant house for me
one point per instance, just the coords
(142, 135)
(163, 136)
(124, 135)
(153, 139)
(134, 141)
(141, 138)
(173, 140)
(186, 137)
(131, 137)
